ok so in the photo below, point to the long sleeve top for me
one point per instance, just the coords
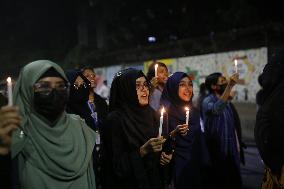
(126, 168)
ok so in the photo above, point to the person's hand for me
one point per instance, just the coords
(154, 82)
(182, 129)
(233, 79)
(232, 95)
(79, 81)
(9, 121)
(152, 145)
(165, 158)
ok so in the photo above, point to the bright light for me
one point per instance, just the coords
(162, 111)
(151, 39)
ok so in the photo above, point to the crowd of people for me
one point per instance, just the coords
(61, 134)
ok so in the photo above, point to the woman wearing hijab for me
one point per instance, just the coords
(96, 104)
(131, 134)
(93, 112)
(52, 149)
(186, 138)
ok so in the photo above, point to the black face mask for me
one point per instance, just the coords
(221, 89)
(50, 105)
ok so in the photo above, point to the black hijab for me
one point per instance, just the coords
(271, 77)
(139, 122)
(170, 99)
(72, 75)
(78, 97)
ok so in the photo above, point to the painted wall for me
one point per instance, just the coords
(250, 65)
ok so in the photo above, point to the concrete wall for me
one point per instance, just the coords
(247, 113)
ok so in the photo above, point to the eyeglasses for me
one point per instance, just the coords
(140, 86)
(46, 87)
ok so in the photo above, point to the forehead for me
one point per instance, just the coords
(141, 79)
(185, 79)
(162, 68)
(51, 79)
(88, 71)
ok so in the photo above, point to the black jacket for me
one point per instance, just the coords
(269, 129)
(84, 111)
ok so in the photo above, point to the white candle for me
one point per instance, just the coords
(236, 66)
(9, 90)
(186, 115)
(156, 70)
(161, 122)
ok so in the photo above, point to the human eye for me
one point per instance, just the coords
(145, 84)
(182, 84)
(138, 86)
(61, 86)
(42, 87)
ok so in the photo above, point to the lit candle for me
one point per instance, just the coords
(161, 121)
(156, 70)
(236, 66)
(9, 90)
(186, 115)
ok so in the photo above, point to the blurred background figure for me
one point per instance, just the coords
(269, 127)
(103, 90)
(83, 100)
(201, 95)
(157, 83)
(221, 132)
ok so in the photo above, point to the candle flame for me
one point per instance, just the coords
(9, 80)
(236, 62)
(162, 110)
(186, 108)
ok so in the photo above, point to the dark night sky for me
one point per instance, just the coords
(33, 29)
(36, 23)
(50, 23)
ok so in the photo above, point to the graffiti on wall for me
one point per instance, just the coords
(250, 65)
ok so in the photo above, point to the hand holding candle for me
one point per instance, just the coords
(9, 91)
(161, 122)
(181, 129)
(156, 70)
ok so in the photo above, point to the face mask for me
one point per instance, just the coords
(221, 89)
(50, 105)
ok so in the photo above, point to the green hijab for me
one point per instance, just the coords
(50, 157)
